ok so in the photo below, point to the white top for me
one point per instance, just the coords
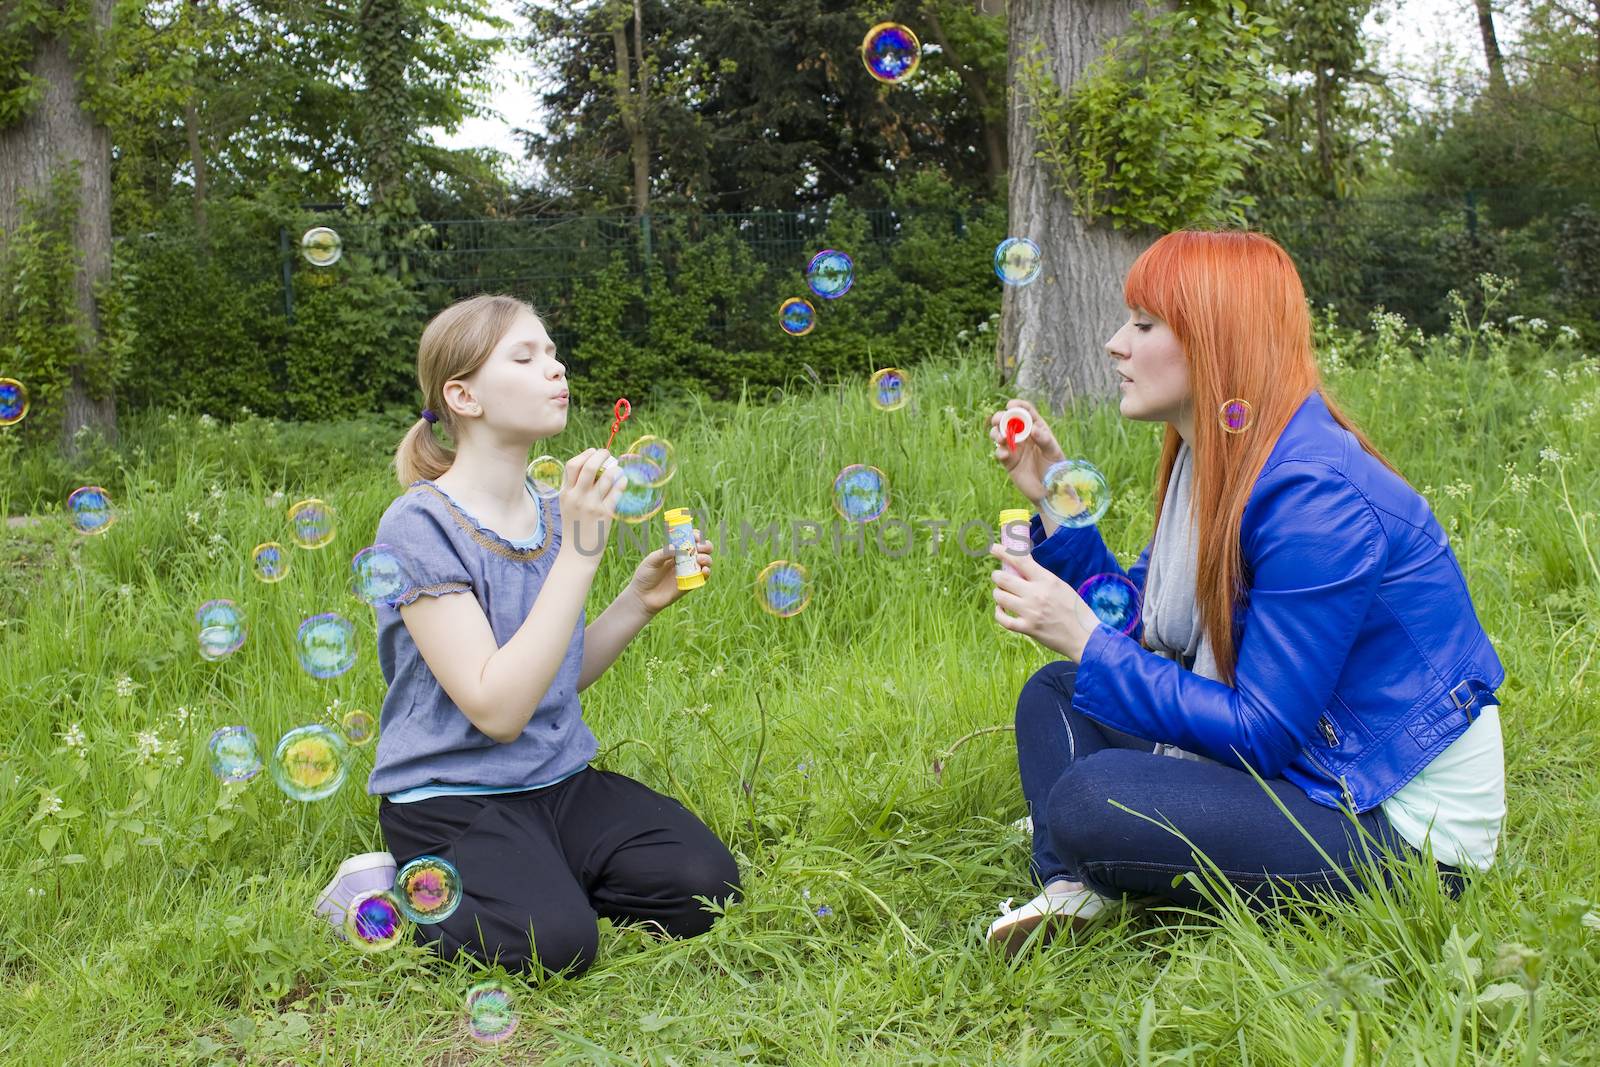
(1462, 793)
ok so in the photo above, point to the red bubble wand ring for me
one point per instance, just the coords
(621, 410)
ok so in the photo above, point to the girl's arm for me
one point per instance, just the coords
(606, 637)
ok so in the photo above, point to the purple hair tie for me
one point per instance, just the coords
(428, 416)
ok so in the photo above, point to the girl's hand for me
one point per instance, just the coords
(1041, 605)
(1033, 457)
(588, 504)
(655, 580)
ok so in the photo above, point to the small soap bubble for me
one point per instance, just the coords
(271, 562)
(310, 762)
(314, 523)
(490, 1016)
(644, 494)
(429, 889)
(1017, 261)
(657, 450)
(1075, 493)
(860, 493)
(13, 401)
(321, 246)
(547, 473)
(91, 510)
(797, 316)
(377, 575)
(1113, 599)
(830, 274)
(359, 727)
(782, 590)
(891, 52)
(889, 390)
(373, 921)
(1235, 415)
(235, 755)
(326, 645)
(221, 629)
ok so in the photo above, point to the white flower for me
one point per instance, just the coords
(126, 686)
(149, 745)
(1538, 325)
(73, 738)
(124, 590)
(181, 716)
(716, 672)
(207, 421)
(193, 517)
(52, 803)
(1512, 320)
(216, 491)
(172, 418)
(1568, 333)
(276, 499)
(983, 327)
(1550, 456)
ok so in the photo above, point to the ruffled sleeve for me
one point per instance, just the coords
(429, 558)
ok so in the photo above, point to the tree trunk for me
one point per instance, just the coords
(630, 105)
(1055, 328)
(1491, 47)
(197, 158)
(56, 133)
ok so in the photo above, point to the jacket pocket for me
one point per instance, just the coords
(1339, 736)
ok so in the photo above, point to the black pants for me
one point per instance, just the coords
(539, 867)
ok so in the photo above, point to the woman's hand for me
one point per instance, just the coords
(1033, 457)
(655, 580)
(589, 503)
(1040, 605)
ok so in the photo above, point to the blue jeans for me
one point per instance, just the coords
(1072, 768)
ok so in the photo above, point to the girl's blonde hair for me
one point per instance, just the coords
(456, 342)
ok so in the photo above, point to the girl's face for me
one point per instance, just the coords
(520, 392)
(1152, 372)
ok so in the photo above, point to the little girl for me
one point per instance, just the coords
(483, 754)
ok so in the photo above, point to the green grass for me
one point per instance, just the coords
(167, 922)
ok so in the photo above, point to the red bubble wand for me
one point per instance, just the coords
(621, 410)
(1014, 426)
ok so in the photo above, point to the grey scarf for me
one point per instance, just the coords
(1172, 626)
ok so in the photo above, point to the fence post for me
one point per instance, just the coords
(286, 259)
(644, 235)
(1472, 217)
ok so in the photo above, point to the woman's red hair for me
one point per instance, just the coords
(1235, 302)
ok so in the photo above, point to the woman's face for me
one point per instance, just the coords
(520, 392)
(1153, 374)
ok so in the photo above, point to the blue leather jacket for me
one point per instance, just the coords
(1360, 657)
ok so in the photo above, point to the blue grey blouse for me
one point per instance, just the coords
(424, 740)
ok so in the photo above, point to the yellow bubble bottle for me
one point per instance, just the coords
(1016, 541)
(680, 536)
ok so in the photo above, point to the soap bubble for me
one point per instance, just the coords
(314, 523)
(781, 589)
(235, 756)
(91, 510)
(889, 389)
(310, 762)
(1235, 415)
(547, 474)
(326, 645)
(13, 401)
(860, 493)
(429, 889)
(359, 727)
(222, 629)
(1017, 261)
(378, 575)
(1113, 599)
(830, 274)
(270, 561)
(657, 450)
(1075, 493)
(797, 316)
(321, 246)
(373, 921)
(490, 1018)
(644, 495)
(891, 52)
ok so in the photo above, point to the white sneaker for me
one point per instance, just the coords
(1062, 905)
(1025, 824)
(356, 875)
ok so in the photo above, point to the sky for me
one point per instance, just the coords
(1411, 35)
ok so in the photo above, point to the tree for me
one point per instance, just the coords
(1054, 329)
(48, 132)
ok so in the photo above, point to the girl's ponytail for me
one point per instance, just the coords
(420, 455)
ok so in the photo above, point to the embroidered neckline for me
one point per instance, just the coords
(488, 538)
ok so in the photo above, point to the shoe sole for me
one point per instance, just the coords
(1012, 938)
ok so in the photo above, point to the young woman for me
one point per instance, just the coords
(483, 754)
(1304, 618)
